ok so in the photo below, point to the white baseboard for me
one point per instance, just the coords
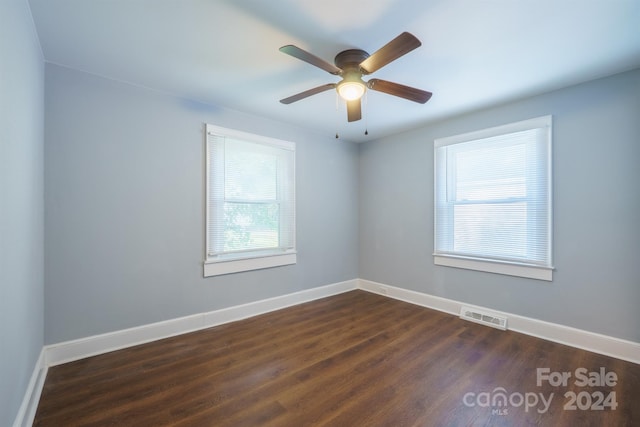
(29, 406)
(413, 297)
(69, 351)
(597, 343)
(64, 352)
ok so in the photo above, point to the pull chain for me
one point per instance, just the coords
(366, 113)
(337, 113)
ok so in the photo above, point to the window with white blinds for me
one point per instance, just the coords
(250, 202)
(493, 200)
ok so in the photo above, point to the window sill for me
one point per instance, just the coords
(228, 266)
(509, 269)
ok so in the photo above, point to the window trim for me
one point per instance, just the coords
(235, 262)
(506, 267)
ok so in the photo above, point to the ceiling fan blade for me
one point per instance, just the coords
(307, 93)
(296, 52)
(354, 110)
(393, 50)
(406, 92)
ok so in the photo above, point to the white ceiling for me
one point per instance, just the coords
(474, 53)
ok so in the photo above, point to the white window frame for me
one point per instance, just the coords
(488, 264)
(218, 262)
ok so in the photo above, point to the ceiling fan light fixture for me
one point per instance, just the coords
(350, 90)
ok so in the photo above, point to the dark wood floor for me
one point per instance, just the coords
(355, 359)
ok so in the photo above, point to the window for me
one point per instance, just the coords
(250, 202)
(493, 200)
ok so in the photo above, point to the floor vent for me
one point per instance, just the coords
(483, 317)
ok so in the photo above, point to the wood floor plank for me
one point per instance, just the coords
(355, 359)
(343, 360)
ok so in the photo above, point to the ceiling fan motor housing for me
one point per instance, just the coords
(351, 58)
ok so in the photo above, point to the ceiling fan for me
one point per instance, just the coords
(351, 65)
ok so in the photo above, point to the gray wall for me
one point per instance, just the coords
(124, 201)
(596, 149)
(124, 218)
(21, 204)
